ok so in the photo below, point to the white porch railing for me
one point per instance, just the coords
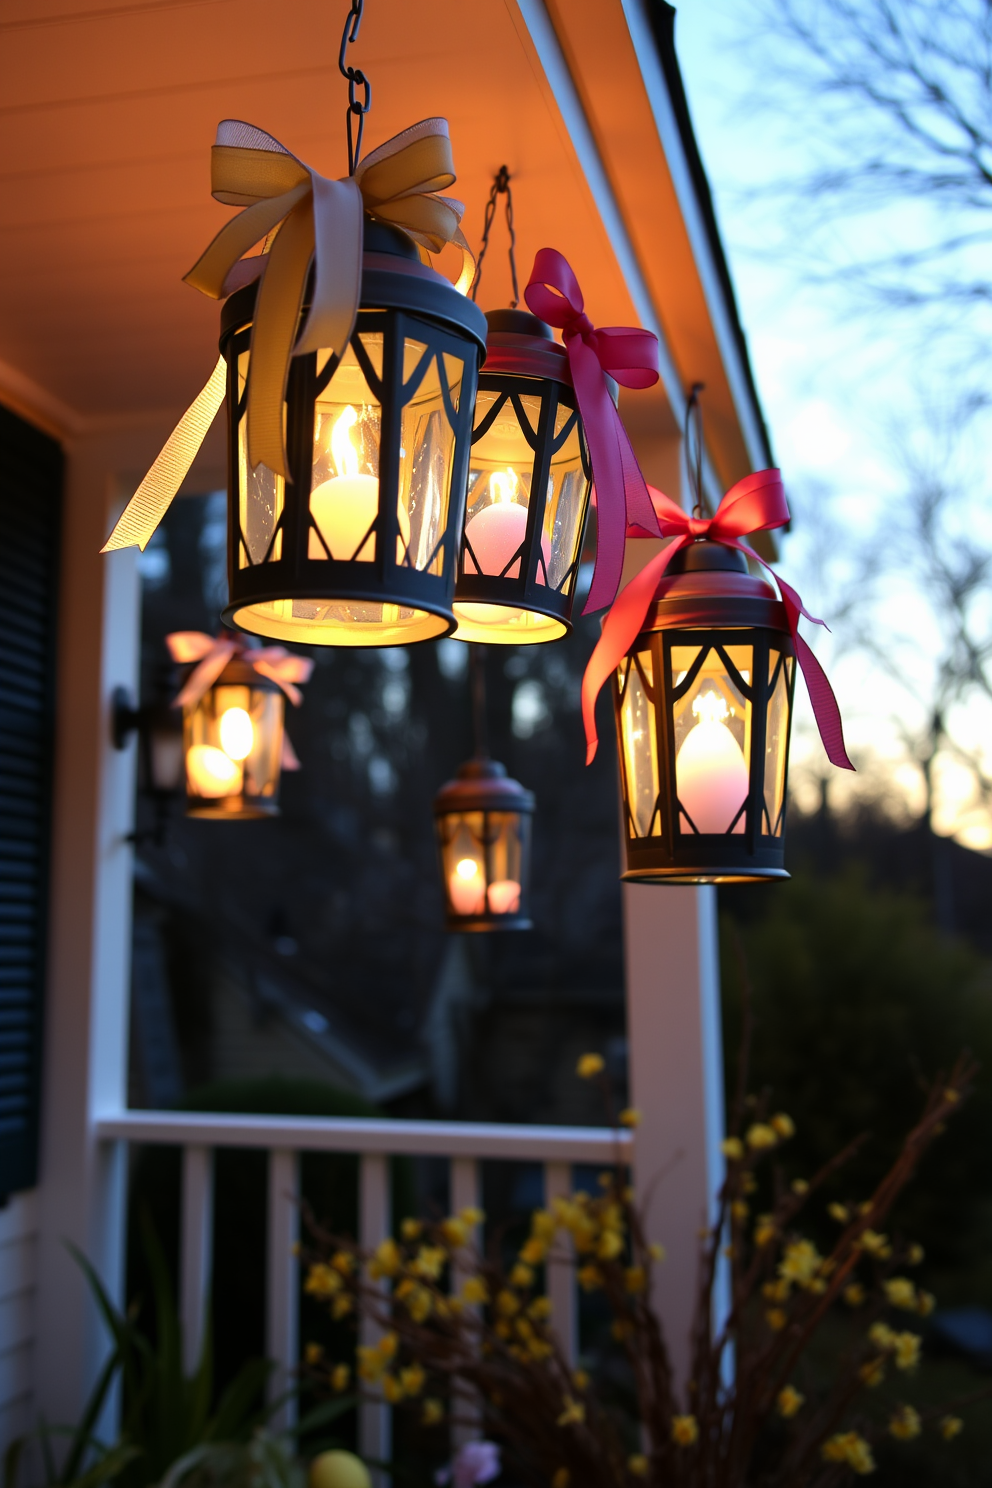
(465, 1145)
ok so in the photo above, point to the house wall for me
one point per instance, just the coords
(18, 1279)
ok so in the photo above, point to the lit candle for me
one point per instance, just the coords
(495, 533)
(237, 736)
(504, 896)
(210, 772)
(711, 773)
(345, 506)
(466, 889)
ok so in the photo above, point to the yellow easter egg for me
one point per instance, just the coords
(338, 1470)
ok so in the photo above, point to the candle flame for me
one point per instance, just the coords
(503, 486)
(710, 707)
(343, 452)
(467, 868)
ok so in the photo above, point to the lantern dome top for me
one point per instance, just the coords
(522, 345)
(707, 583)
(482, 784)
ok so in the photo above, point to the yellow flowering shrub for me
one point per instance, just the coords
(905, 1423)
(589, 1066)
(685, 1430)
(789, 1402)
(851, 1448)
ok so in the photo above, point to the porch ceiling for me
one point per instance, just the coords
(107, 118)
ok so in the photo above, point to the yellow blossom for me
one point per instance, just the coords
(314, 1353)
(761, 1136)
(343, 1261)
(907, 1350)
(839, 1212)
(432, 1413)
(635, 1279)
(502, 1328)
(905, 1423)
(789, 1401)
(849, 1447)
(322, 1281)
(413, 1378)
(429, 1262)
(656, 1251)
(875, 1244)
(455, 1231)
(630, 1116)
(507, 1303)
(419, 1304)
(610, 1245)
(475, 1290)
(562, 1478)
(522, 1276)
(386, 1261)
(573, 1412)
(732, 1148)
(925, 1303)
(740, 1210)
(950, 1427)
(340, 1377)
(799, 1186)
(543, 1224)
(764, 1230)
(590, 1277)
(914, 1255)
(684, 1430)
(854, 1295)
(533, 1251)
(589, 1066)
(637, 1465)
(341, 1306)
(776, 1319)
(540, 1308)
(800, 1262)
(900, 1292)
(777, 1291)
(392, 1389)
(783, 1126)
(882, 1336)
(873, 1373)
(371, 1364)
(580, 1379)
(411, 1229)
(472, 1215)
(539, 1349)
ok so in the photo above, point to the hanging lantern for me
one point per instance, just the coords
(349, 369)
(483, 825)
(702, 654)
(234, 744)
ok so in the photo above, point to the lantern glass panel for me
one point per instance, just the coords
(777, 741)
(261, 494)
(499, 483)
(639, 746)
(233, 744)
(344, 481)
(711, 711)
(568, 492)
(432, 385)
(482, 858)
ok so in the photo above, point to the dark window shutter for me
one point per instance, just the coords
(30, 521)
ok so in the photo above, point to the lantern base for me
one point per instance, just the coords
(487, 924)
(325, 622)
(506, 625)
(704, 876)
(231, 808)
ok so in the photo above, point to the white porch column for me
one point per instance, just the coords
(676, 1074)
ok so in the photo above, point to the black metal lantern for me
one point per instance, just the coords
(233, 744)
(483, 825)
(703, 705)
(528, 490)
(359, 546)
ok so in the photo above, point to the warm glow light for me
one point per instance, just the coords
(466, 888)
(496, 532)
(504, 896)
(210, 772)
(711, 772)
(467, 868)
(503, 485)
(237, 736)
(345, 506)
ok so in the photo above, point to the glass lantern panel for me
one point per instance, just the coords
(776, 742)
(261, 494)
(482, 860)
(504, 841)
(426, 454)
(639, 744)
(712, 740)
(499, 482)
(344, 482)
(564, 515)
(233, 743)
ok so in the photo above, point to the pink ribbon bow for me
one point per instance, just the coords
(754, 504)
(630, 356)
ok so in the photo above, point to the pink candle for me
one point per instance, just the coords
(466, 888)
(504, 896)
(711, 773)
(496, 532)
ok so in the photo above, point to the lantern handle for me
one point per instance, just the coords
(356, 79)
(480, 730)
(694, 424)
(500, 187)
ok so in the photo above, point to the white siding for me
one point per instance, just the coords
(18, 1267)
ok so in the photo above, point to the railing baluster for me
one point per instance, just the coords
(282, 1281)
(196, 1250)
(561, 1270)
(465, 1193)
(374, 1417)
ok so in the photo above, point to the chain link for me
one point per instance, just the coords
(356, 79)
(694, 467)
(500, 187)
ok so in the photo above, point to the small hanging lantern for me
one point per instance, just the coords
(483, 825)
(349, 369)
(234, 743)
(702, 655)
(529, 477)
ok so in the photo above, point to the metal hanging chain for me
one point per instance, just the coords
(695, 467)
(356, 79)
(500, 187)
(477, 664)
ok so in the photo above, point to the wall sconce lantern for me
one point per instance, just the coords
(160, 751)
(234, 743)
(483, 824)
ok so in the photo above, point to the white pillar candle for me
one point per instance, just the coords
(211, 773)
(711, 774)
(466, 888)
(496, 532)
(504, 896)
(345, 506)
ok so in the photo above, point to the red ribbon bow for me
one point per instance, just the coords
(755, 504)
(630, 356)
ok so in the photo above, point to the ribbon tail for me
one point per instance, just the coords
(203, 677)
(153, 497)
(338, 227)
(264, 669)
(290, 759)
(621, 628)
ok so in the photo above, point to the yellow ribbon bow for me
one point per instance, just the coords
(304, 217)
